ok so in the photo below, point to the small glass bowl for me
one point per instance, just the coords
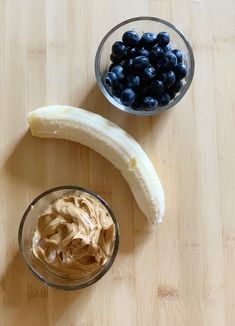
(26, 231)
(141, 25)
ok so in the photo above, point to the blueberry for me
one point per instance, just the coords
(131, 52)
(125, 81)
(148, 40)
(128, 96)
(131, 38)
(143, 52)
(167, 61)
(118, 70)
(136, 105)
(140, 62)
(134, 82)
(149, 73)
(115, 59)
(143, 91)
(127, 65)
(111, 66)
(117, 90)
(111, 78)
(156, 53)
(181, 70)
(171, 93)
(176, 87)
(178, 55)
(168, 78)
(149, 103)
(156, 87)
(119, 50)
(167, 48)
(163, 38)
(164, 99)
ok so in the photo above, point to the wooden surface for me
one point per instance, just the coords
(180, 273)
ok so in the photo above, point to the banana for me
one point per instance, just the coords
(109, 140)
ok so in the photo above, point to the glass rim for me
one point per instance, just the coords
(128, 109)
(37, 274)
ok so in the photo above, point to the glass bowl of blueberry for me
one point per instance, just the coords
(144, 65)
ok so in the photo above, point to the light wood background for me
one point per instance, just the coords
(178, 274)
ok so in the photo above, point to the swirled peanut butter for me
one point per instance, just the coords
(74, 236)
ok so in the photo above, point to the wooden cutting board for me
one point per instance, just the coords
(179, 273)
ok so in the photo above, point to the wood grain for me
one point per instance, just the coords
(180, 273)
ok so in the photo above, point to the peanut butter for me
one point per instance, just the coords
(74, 236)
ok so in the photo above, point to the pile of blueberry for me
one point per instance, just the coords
(145, 71)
